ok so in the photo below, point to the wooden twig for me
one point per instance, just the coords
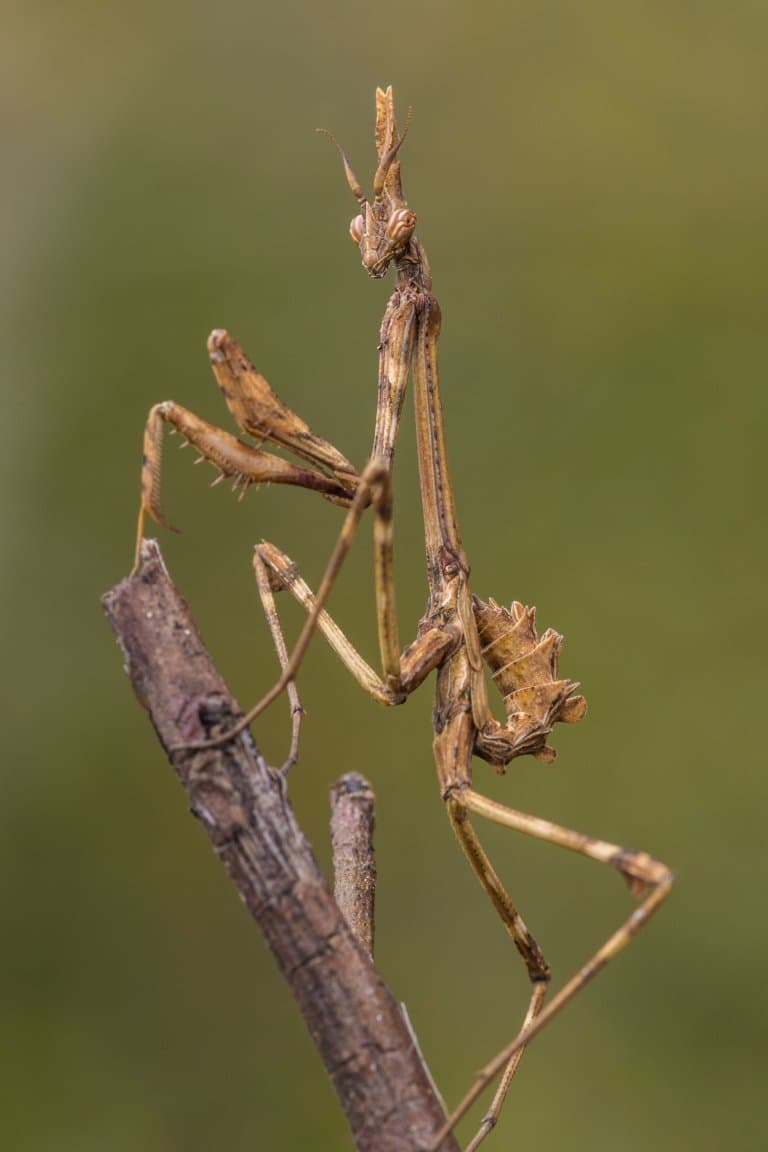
(354, 863)
(242, 805)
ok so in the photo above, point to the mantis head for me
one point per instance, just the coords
(384, 226)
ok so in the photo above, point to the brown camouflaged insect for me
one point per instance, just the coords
(458, 633)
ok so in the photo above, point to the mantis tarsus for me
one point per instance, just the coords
(458, 633)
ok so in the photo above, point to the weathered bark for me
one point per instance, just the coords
(353, 1018)
(354, 864)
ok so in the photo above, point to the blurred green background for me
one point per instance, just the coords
(591, 183)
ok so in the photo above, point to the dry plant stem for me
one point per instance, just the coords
(354, 864)
(242, 805)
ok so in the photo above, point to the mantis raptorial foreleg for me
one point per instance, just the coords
(260, 413)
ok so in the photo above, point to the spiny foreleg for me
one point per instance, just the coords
(235, 460)
(260, 413)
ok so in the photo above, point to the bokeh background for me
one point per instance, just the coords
(591, 182)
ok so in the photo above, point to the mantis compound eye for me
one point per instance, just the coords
(356, 229)
(400, 226)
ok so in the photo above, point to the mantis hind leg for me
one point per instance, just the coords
(536, 965)
(648, 879)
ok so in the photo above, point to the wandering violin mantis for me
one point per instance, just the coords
(459, 633)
